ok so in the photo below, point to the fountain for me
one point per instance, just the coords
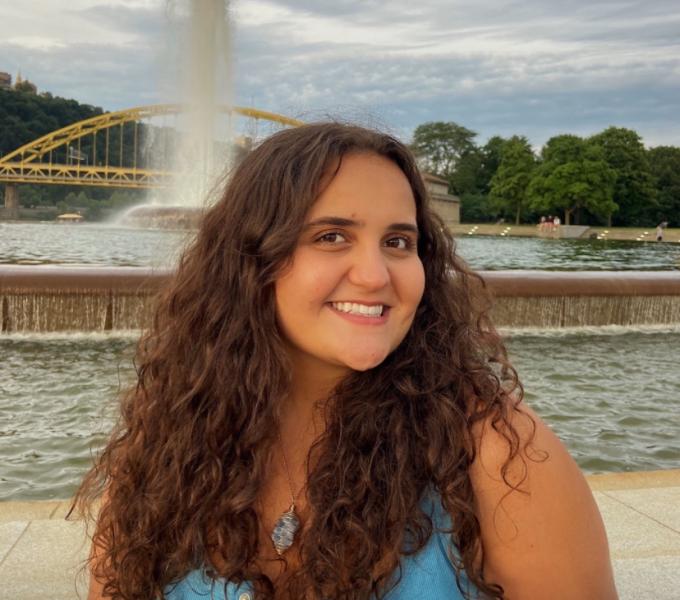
(549, 299)
(203, 148)
(157, 216)
(48, 298)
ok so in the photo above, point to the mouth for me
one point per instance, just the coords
(369, 311)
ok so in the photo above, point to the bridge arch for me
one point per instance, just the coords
(32, 162)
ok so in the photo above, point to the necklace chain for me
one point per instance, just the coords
(287, 525)
(293, 496)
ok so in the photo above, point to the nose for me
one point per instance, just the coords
(369, 269)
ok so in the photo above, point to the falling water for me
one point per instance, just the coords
(205, 86)
(44, 298)
(197, 146)
(585, 311)
(115, 310)
(74, 310)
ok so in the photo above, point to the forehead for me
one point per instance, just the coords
(366, 185)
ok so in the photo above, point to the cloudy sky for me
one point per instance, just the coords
(535, 67)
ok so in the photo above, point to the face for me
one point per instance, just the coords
(355, 281)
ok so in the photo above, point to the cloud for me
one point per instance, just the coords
(131, 20)
(108, 76)
(501, 67)
(529, 67)
(101, 54)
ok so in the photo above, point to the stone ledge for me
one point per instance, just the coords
(634, 480)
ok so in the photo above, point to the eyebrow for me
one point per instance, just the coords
(342, 222)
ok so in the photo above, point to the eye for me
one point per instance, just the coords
(332, 237)
(400, 242)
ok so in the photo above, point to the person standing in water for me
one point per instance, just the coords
(325, 410)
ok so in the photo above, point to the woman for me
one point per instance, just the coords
(324, 410)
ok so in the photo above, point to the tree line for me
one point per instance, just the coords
(608, 178)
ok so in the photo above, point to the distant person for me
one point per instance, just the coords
(659, 230)
(324, 409)
(556, 223)
(541, 223)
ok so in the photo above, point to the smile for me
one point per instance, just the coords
(364, 310)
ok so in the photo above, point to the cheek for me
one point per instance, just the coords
(414, 284)
(301, 288)
(319, 286)
(315, 280)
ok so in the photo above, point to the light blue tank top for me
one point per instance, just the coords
(427, 575)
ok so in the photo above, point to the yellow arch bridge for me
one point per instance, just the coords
(105, 150)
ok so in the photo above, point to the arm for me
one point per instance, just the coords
(96, 591)
(546, 539)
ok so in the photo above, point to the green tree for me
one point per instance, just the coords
(440, 146)
(572, 175)
(634, 191)
(491, 159)
(509, 184)
(476, 208)
(120, 199)
(25, 117)
(465, 178)
(29, 196)
(25, 86)
(664, 162)
(83, 199)
(473, 181)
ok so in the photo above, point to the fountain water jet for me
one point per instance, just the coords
(202, 148)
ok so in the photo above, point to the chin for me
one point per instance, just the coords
(366, 361)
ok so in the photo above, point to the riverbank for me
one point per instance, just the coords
(40, 552)
(644, 234)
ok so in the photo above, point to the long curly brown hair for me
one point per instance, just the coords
(184, 466)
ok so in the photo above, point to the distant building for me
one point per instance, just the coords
(5, 81)
(447, 205)
(24, 85)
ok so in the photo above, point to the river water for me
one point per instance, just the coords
(610, 394)
(47, 243)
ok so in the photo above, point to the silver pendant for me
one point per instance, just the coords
(283, 534)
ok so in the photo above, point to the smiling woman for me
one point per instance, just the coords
(324, 410)
(355, 280)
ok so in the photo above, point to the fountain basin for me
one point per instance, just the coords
(56, 298)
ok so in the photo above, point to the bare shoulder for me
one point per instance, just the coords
(542, 532)
(96, 589)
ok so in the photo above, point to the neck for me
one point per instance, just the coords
(303, 416)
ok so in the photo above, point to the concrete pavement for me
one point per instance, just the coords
(633, 234)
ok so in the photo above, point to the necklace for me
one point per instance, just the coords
(287, 525)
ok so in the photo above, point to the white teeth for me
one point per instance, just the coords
(359, 309)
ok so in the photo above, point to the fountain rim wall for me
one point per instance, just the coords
(29, 279)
